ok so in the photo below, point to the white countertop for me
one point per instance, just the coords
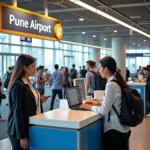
(137, 83)
(71, 119)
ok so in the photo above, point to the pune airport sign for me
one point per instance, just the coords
(15, 20)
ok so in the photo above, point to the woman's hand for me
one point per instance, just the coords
(93, 103)
(24, 143)
(43, 99)
(86, 106)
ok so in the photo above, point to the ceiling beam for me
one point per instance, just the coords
(130, 5)
(101, 7)
(91, 26)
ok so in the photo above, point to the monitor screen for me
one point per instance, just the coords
(73, 96)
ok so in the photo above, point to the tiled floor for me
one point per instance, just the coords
(140, 138)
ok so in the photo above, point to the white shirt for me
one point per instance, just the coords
(36, 95)
(112, 97)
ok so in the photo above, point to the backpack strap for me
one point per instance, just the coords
(116, 81)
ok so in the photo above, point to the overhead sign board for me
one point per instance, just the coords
(15, 20)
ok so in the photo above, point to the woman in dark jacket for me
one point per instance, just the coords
(24, 101)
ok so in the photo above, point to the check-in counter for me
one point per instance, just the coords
(141, 88)
(66, 130)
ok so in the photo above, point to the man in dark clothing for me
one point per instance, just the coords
(127, 74)
(139, 69)
(83, 72)
(73, 73)
(7, 77)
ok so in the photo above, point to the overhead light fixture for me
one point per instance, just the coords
(135, 17)
(92, 46)
(97, 11)
(133, 43)
(81, 19)
(94, 35)
(144, 40)
(115, 31)
(139, 45)
(105, 39)
(83, 32)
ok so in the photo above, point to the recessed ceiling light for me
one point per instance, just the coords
(115, 31)
(144, 40)
(83, 32)
(94, 35)
(81, 19)
(139, 45)
(133, 43)
(135, 17)
(105, 39)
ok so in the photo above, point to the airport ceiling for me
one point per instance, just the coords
(133, 12)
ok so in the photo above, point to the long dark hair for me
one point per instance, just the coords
(66, 72)
(111, 64)
(18, 72)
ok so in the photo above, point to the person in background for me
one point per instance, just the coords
(67, 80)
(62, 69)
(7, 77)
(141, 72)
(79, 75)
(116, 135)
(146, 71)
(73, 73)
(24, 101)
(40, 80)
(139, 69)
(90, 78)
(47, 76)
(127, 74)
(83, 72)
(1, 119)
(57, 82)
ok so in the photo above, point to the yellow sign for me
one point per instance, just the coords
(23, 22)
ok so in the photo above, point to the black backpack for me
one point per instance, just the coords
(7, 79)
(132, 107)
(100, 83)
(73, 73)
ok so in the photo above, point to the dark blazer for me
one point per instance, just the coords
(22, 105)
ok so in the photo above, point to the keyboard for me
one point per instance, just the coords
(78, 108)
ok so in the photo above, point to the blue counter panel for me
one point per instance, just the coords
(52, 139)
(87, 138)
(140, 89)
(91, 137)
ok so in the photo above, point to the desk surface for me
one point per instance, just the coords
(137, 83)
(71, 119)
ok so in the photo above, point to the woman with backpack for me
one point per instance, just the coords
(116, 135)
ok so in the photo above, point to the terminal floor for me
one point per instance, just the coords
(140, 137)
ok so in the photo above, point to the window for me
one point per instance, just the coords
(49, 64)
(48, 44)
(15, 49)
(37, 42)
(4, 38)
(15, 39)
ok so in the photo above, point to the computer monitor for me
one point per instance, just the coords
(73, 96)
